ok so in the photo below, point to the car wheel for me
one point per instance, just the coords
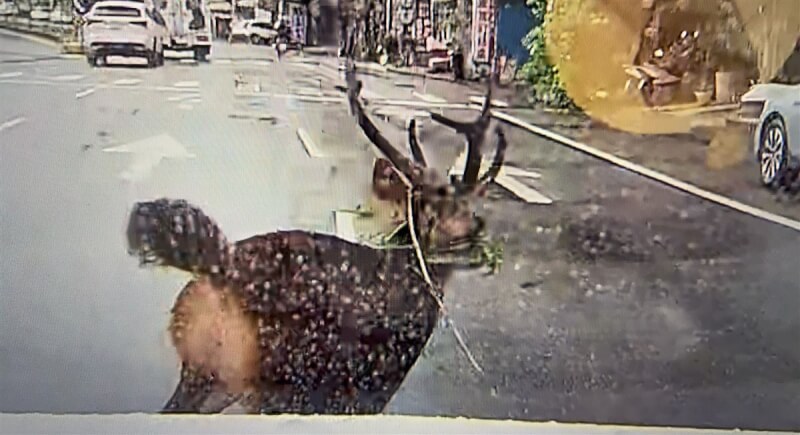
(255, 39)
(201, 54)
(152, 62)
(92, 60)
(773, 152)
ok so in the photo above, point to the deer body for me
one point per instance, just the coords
(300, 322)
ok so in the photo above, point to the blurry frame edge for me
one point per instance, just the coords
(368, 424)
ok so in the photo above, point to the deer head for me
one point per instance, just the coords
(443, 208)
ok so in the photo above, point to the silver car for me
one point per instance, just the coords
(124, 28)
(773, 112)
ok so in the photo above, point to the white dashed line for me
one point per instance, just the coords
(10, 75)
(127, 82)
(184, 97)
(495, 103)
(428, 97)
(67, 78)
(84, 93)
(12, 123)
(187, 84)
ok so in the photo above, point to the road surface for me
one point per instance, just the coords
(624, 301)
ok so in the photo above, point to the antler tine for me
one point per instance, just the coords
(416, 150)
(499, 157)
(397, 158)
(475, 136)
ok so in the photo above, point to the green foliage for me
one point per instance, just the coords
(546, 86)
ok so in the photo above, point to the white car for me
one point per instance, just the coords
(773, 112)
(124, 28)
(256, 31)
(8, 8)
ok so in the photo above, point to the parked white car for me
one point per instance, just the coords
(8, 8)
(773, 112)
(256, 31)
(124, 28)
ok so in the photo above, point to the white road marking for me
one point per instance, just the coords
(344, 226)
(428, 97)
(10, 75)
(127, 82)
(495, 103)
(191, 84)
(12, 123)
(71, 56)
(67, 77)
(185, 106)
(188, 61)
(181, 97)
(649, 173)
(148, 153)
(308, 144)
(507, 179)
(84, 93)
(261, 63)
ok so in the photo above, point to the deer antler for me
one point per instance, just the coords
(413, 144)
(397, 158)
(475, 132)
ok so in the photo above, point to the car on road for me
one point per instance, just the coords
(772, 110)
(257, 32)
(124, 28)
(8, 8)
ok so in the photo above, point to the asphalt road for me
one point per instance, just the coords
(623, 302)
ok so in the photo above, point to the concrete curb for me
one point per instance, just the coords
(649, 173)
(39, 36)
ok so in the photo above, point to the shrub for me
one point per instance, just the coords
(546, 86)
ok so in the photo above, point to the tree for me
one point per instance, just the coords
(539, 71)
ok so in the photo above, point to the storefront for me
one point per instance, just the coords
(221, 18)
(296, 14)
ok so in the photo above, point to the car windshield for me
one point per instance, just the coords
(585, 211)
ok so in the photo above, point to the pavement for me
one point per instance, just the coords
(624, 301)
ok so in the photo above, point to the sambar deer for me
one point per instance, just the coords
(303, 322)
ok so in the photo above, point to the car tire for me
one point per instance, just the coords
(256, 40)
(152, 60)
(91, 60)
(773, 152)
(201, 53)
